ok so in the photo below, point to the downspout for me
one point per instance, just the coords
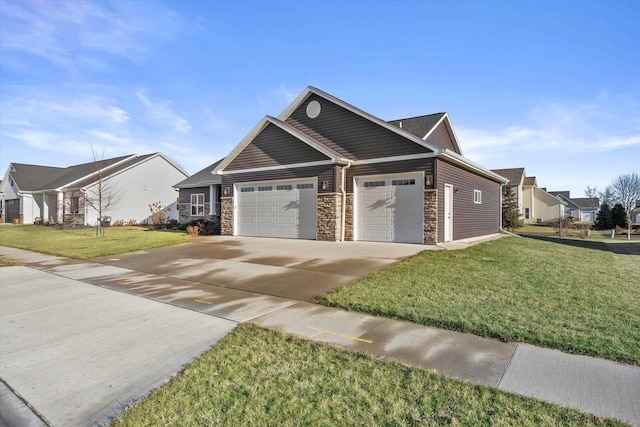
(343, 190)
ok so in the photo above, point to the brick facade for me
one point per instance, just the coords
(430, 217)
(226, 216)
(329, 216)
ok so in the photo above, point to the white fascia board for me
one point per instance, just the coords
(393, 159)
(313, 143)
(280, 167)
(95, 173)
(462, 161)
(267, 120)
(199, 184)
(241, 146)
(304, 95)
(452, 133)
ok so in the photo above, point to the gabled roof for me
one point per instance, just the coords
(336, 157)
(202, 178)
(530, 180)
(35, 178)
(565, 194)
(423, 127)
(587, 202)
(514, 175)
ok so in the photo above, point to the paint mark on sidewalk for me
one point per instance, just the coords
(203, 301)
(326, 331)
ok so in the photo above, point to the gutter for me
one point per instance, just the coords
(343, 190)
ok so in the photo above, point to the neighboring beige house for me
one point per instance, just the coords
(536, 205)
(582, 209)
(34, 193)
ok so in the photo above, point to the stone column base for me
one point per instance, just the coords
(430, 217)
(226, 216)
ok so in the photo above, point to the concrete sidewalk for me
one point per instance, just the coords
(601, 387)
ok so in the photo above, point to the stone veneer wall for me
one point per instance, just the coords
(348, 226)
(226, 216)
(329, 216)
(430, 217)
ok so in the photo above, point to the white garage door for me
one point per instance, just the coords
(277, 209)
(390, 208)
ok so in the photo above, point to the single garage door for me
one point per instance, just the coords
(390, 208)
(277, 209)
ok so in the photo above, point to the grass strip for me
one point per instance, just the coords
(577, 300)
(259, 377)
(83, 243)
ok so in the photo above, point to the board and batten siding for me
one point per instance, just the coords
(406, 166)
(440, 138)
(469, 219)
(274, 147)
(358, 138)
(323, 172)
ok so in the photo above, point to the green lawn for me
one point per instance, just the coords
(574, 299)
(575, 233)
(258, 377)
(83, 243)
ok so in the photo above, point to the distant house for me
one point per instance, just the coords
(535, 204)
(326, 170)
(583, 209)
(635, 213)
(199, 196)
(34, 193)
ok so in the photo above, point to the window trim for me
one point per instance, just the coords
(477, 197)
(197, 205)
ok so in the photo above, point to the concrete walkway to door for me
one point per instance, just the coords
(600, 387)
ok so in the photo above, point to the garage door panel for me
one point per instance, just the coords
(390, 209)
(279, 210)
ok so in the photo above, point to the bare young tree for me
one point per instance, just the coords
(591, 192)
(626, 190)
(607, 196)
(102, 195)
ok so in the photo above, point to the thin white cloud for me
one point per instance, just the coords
(160, 113)
(75, 34)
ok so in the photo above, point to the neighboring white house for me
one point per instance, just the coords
(534, 203)
(582, 209)
(35, 193)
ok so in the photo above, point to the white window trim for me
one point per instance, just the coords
(196, 205)
(477, 197)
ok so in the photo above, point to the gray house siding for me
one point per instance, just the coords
(440, 137)
(184, 195)
(416, 165)
(273, 147)
(323, 172)
(358, 138)
(470, 219)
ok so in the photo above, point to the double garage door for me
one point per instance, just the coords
(390, 208)
(277, 209)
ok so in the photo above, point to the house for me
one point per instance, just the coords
(34, 193)
(536, 205)
(199, 196)
(326, 170)
(635, 213)
(582, 209)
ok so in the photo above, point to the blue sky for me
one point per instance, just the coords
(550, 86)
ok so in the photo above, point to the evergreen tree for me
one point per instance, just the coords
(604, 220)
(511, 218)
(619, 216)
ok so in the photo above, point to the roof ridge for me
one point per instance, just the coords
(418, 117)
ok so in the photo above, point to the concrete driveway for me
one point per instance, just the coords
(287, 268)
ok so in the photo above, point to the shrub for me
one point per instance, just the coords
(206, 228)
(119, 223)
(132, 222)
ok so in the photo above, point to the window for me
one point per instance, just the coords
(74, 205)
(197, 204)
(403, 182)
(265, 188)
(286, 187)
(303, 186)
(477, 196)
(374, 183)
(526, 213)
(247, 190)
